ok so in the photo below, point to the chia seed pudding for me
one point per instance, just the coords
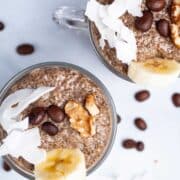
(150, 44)
(69, 85)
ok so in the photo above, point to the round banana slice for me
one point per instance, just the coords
(154, 72)
(62, 164)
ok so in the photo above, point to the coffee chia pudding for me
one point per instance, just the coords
(139, 39)
(70, 85)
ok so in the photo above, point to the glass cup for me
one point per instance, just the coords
(109, 100)
(75, 19)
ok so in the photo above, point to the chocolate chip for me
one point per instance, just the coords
(37, 115)
(142, 95)
(6, 167)
(25, 49)
(144, 23)
(118, 119)
(129, 143)
(105, 2)
(156, 5)
(163, 27)
(55, 113)
(139, 146)
(1, 26)
(140, 124)
(49, 128)
(176, 99)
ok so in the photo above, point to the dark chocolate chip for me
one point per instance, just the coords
(55, 113)
(163, 27)
(25, 49)
(49, 128)
(6, 167)
(2, 26)
(144, 23)
(37, 115)
(139, 146)
(176, 99)
(129, 143)
(156, 5)
(140, 124)
(142, 95)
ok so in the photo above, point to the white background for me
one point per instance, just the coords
(31, 21)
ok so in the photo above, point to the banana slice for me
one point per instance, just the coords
(62, 164)
(154, 72)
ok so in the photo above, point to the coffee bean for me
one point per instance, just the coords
(144, 23)
(37, 115)
(163, 27)
(6, 167)
(118, 119)
(105, 2)
(156, 5)
(140, 124)
(25, 49)
(55, 113)
(1, 26)
(139, 146)
(49, 128)
(176, 99)
(142, 95)
(129, 143)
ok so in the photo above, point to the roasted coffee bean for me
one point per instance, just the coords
(37, 115)
(140, 124)
(156, 5)
(129, 143)
(25, 49)
(144, 23)
(163, 27)
(118, 119)
(1, 26)
(55, 113)
(6, 167)
(142, 95)
(49, 128)
(139, 146)
(176, 99)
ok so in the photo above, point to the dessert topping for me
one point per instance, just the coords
(80, 119)
(156, 5)
(163, 27)
(144, 23)
(49, 128)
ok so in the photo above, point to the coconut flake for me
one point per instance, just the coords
(112, 29)
(25, 144)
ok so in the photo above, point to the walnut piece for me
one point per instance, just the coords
(80, 119)
(91, 105)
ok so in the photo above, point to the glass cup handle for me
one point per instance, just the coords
(71, 18)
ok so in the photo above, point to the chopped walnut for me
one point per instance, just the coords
(91, 105)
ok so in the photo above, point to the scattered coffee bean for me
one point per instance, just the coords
(156, 5)
(163, 27)
(140, 124)
(142, 95)
(25, 49)
(6, 167)
(118, 119)
(55, 113)
(176, 99)
(139, 146)
(37, 115)
(1, 26)
(49, 128)
(144, 23)
(129, 143)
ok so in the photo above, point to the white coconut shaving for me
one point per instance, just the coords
(112, 29)
(25, 144)
(20, 141)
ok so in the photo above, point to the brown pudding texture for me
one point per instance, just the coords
(70, 85)
(150, 44)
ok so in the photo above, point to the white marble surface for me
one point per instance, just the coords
(31, 21)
